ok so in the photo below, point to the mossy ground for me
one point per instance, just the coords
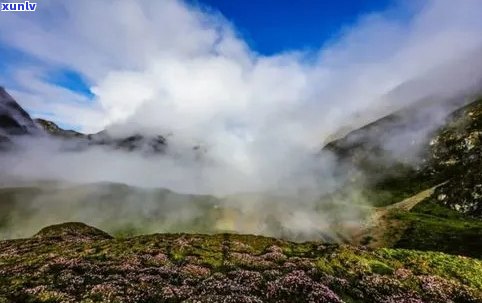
(431, 226)
(226, 268)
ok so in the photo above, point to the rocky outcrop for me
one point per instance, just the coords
(456, 155)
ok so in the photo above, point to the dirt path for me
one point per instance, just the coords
(412, 201)
(380, 230)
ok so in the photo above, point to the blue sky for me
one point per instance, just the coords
(270, 27)
(274, 26)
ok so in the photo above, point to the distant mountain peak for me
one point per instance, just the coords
(14, 120)
(53, 129)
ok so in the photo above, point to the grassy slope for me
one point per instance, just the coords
(428, 226)
(72, 263)
(431, 226)
(120, 209)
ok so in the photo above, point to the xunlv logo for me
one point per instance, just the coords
(19, 7)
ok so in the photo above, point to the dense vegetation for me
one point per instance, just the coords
(76, 263)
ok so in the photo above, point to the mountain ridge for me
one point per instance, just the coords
(15, 121)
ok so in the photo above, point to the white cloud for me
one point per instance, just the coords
(172, 68)
(189, 61)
